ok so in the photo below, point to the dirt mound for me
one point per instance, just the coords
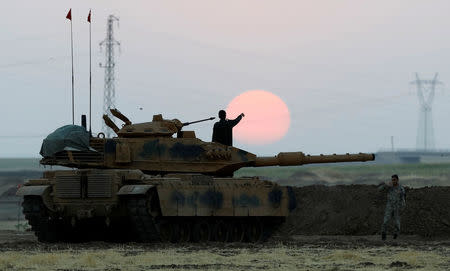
(359, 210)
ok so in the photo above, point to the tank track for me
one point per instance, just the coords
(148, 228)
(143, 223)
(46, 228)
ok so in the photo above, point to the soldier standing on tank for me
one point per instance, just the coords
(396, 202)
(223, 129)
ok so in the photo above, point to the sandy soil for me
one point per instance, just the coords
(21, 251)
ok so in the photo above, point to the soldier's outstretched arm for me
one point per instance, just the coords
(236, 120)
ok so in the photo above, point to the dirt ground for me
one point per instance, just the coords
(359, 210)
(21, 251)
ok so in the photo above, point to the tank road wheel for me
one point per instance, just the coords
(165, 232)
(254, 231)
(270, 227)
(169, 231)
(236, 232)
(119, 231)
(220, 231)
(202, 231)
(185, 231)
(46, 228)
(141, 219)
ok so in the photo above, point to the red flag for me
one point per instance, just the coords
(69, 15)
(89, 17)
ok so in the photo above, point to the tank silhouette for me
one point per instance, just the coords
(148, 185)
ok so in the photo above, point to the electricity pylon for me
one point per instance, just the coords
(425, 93)
(109, 92)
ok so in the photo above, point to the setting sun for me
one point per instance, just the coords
(266, 117)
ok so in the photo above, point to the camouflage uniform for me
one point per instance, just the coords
(396, 201)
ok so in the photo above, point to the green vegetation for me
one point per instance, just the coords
(414, 175)
(401, 169)
(424, 170)
(275, 173)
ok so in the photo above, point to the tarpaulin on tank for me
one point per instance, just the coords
(65, 138)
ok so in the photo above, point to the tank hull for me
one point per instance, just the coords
(177, 207)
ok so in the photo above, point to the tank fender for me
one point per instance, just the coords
(138, 189)
(34, 190)
(42, 191)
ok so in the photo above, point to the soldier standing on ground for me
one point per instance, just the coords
(223, 129)
(396, 202)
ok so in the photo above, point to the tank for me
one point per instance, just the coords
(155, 181)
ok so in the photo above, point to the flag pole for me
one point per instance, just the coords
(69, 17)
(73, 94)
(90, 75)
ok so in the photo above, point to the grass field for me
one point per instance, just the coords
(424, 170)
(279, 257)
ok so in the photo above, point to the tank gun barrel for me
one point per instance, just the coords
(299, 158)
(197, 121)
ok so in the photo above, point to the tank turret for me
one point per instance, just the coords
(152, 148)
(158, 127)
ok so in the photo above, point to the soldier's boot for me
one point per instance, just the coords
(383, 236)
(395, 236)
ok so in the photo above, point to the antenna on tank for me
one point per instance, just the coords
(90, 73)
